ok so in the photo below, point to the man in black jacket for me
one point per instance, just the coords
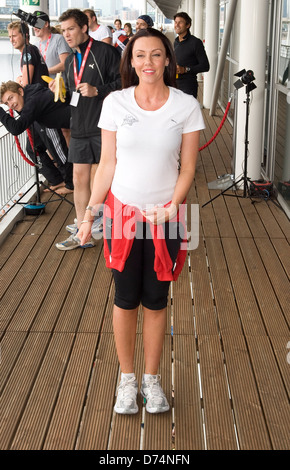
(91, 73)
(35, 104)
(190, 55)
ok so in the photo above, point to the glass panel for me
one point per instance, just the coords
(282, 150)
(284, 73)
(282, 153)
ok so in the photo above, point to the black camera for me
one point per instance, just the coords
(246, 78)
(32, 20)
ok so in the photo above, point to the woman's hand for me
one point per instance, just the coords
(85, 231)
(160, 215)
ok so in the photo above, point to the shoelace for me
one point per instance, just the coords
(127, 389)
(154, 390)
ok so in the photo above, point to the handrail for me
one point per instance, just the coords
(14, 171)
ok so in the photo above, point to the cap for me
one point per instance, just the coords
(147, 20)
(42, 15)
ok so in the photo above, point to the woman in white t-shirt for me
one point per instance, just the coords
(150, 141)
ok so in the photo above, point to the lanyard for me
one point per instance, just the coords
(46, 46)
(78, 77)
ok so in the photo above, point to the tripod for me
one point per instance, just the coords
(244, 178)
(36, 208)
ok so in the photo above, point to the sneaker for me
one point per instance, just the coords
(151, 390)
(72, 228)
(97, 228)
(73, 242)
(126, 402)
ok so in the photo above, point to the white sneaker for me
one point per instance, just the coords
(126, 402)
(72, 228)
(151, 390)
(73, 242)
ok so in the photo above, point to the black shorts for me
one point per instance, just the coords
(86, 150)
(138, 282)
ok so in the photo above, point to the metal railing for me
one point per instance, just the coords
(14, 171)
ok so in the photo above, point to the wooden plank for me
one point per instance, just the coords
(209, 225)
(66, 418)
(19, 385)
(204, 309)
(249, 417)
(10, 244)
(283, 251)
(11, 345)
(17, 289)
(252, 217)
(281, 219)
(50, 308)
(97, 299)
(222, 217)
(96, 423)
(269, 306)
(18, 257)
(249, 312)
(75, 300)
(281, 349)
(263, 209)
(158, 427)
(32, 428)
(237, 217)
(272, 392)
(36, 292)
(219, 425)
(183, 320)
(227, 314)
(187, 399)
(276, 274)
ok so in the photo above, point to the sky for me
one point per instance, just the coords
(135, 3)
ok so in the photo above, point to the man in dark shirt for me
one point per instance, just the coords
(32, 67)
(31, 58)
(91, 73)
(190, 55)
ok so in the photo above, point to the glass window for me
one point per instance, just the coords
(282, 146)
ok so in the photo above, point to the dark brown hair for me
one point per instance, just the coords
(128, 74)
(185, 16)
(79, 16)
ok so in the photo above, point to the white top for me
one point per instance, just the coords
(102, 32)
(116, 34)
(148, 144)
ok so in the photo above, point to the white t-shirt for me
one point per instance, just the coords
(102, 32)
(148, 144)
(56, 46)
(116, 34)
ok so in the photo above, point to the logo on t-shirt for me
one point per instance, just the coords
(129, 120)
(28, 57)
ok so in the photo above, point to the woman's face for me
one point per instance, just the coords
(149, 59)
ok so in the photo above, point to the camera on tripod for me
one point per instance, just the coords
(29, 18)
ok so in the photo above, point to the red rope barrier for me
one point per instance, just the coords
(220, 126)
(19, 146)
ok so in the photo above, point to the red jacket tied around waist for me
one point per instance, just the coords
(120, 224)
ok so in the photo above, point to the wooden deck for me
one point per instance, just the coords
(226, 360)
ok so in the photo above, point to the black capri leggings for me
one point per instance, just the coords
(138, 282)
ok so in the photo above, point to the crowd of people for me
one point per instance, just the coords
(127, 145)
